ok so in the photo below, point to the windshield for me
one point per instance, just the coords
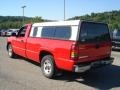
(94, 32)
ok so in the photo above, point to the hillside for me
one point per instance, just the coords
(111, 18)
(17, 21)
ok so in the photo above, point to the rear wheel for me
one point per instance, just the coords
(48, 66)
(10, 51)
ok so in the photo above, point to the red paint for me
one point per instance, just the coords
(60, 49)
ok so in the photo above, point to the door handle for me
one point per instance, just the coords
(22, 41)
(97, 46)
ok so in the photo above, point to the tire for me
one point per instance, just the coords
(48, 66)
(10, 51)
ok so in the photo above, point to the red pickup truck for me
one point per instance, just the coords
(75, 46)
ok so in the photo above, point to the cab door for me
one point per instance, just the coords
(19, 43)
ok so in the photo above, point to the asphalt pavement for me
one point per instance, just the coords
(21, 74)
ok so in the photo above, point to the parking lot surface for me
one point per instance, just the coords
(20, 74)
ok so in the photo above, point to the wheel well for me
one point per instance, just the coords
(44, 53)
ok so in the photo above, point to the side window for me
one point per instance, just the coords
(48, 32)
(35, 32)
(63, 32)
(22, 31)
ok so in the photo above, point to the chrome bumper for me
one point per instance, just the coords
(78, 68)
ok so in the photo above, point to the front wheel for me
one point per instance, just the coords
(48, 66)
(10, 51)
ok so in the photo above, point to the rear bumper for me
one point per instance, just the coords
(84, 67)
(70, 65)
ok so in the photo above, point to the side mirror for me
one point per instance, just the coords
(14, 34)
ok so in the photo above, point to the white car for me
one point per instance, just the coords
(10, 31)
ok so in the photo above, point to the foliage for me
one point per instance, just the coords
(111, 18)
(17, 21)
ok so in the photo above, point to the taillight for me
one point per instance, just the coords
(74, 52)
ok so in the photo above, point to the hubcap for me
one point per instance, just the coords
(10, 51)
(47, 67)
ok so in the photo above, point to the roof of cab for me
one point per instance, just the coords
(59, 23)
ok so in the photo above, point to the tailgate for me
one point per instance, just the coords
(92, 52)
(94, 41)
